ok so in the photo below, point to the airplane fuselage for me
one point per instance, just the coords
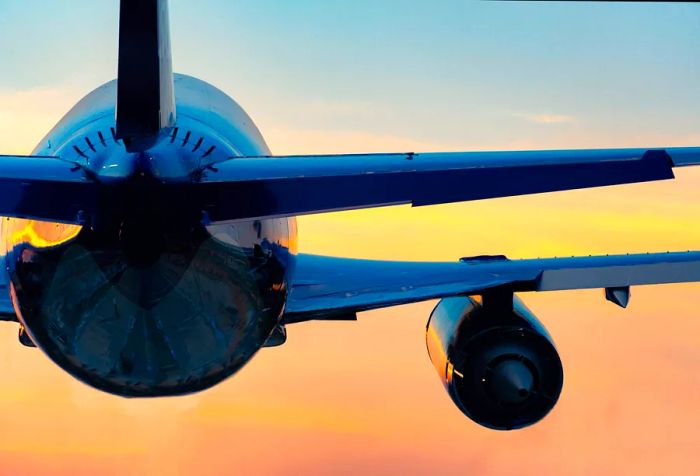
(147, 297)
(149, 253)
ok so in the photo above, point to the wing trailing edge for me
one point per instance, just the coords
(324, 287)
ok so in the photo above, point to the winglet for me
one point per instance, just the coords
(145, 92)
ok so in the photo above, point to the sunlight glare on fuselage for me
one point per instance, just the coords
(39, 234)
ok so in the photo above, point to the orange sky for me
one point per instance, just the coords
(363, 398)
(345, 398)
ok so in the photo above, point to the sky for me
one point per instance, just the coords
(332, 76)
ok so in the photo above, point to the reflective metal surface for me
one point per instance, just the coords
(149, 252)
(149, 322)
(496, 360)
(297, 185)
(325, 285)
(147, 298)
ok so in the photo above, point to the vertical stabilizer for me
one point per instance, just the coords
(145, 95)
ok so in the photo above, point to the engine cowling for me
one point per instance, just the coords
(496, 360)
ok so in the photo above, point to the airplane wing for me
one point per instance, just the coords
(296, 185)
(330, 288)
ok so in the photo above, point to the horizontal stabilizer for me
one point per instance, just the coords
(45, 188)
(257, 187)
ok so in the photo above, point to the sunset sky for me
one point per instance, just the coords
(331, 76)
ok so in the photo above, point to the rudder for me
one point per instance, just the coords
(145, 93)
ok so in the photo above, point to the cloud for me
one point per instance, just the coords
(343, 109)
(546, 118)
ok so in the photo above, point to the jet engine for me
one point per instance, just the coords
(496, 360)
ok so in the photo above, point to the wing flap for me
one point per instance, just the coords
(297, 185)
(323, 286)
(619, 271)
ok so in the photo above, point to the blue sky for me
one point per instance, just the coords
(457, 75)
(369, 75)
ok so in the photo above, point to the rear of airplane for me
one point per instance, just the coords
(116, 273)
(150, 242)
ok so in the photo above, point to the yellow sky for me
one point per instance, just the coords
(362, 398)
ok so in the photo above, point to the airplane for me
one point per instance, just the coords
(149, 242)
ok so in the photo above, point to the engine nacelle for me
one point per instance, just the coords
(496, 360)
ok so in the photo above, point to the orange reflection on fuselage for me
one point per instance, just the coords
(39, 234)
(293, 244)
